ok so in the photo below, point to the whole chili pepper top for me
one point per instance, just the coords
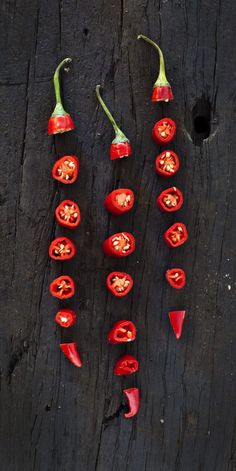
(65, 170)
(60, 120)
(119, 283)
(176, 235)
(68, 214)
(126, 365)
(122, 331)
(167, 163)
(120, 146)
(121, 244)
(70, 350)
(170, 199)
(62, 287)
(65, 318)
(161, 90)
(133, 397)
(164, 131)
(119, 201)
(176, 278)
(62, 248)
(177, 320)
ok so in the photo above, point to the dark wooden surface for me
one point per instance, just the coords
(53, 416)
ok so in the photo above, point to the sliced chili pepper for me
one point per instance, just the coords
(126, 365)
(177, 321)
(62, 287)
(176, 278)
(119, 283)
(170, 199)
(167, 163)
(122, 331)
(121, 244)
(164, 131)
(60, 121)
(133, 397)
(120, 201)
(68, 214)
(176, 235)
(70, 350)
(120, 146)
(62, 248)
(65, 318)
(65, 170)
(161, 90)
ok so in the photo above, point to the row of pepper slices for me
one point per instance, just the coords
(121, 244)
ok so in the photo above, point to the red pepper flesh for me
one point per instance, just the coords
(62, 248)
(164, 131)
(119, 283)
(170, 200)
(62, 287)
(126, 365)
(133, 397)
(65, 318)
(68, 214)
(119, 150)
(162, 93)
(119, 201)
(176, 235)
(70, 350)
(176, 278)
(122, 332)
(167, 163)
(120, 244)
(65, 170)
(177, 320)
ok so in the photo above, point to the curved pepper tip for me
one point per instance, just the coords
(133, 397)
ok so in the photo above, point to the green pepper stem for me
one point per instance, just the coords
(120, 136)
(161, 79)
(56, 79)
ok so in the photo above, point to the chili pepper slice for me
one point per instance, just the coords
(176, 278)
(167, 163)
(65, 170)
(122, 331)
(164, 131)
(119, 283)
(70, 350)
(177, 320)
(60, 121)
(119, 201)
(62, 287)
(62, 248)
(121, 244)
(120, 146)
(126, 365)
(176, 235)
(65, 318)
(133, 397)
(170, 199)
(161, 89)
(68, 214)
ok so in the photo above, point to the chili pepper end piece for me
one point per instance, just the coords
(170, 200)
(176, 278)
(70, 351)
(177, 320)
(133, 398)
(176, 235)
(122, 331)
(162, 93)
(164, 131)
(126, 365)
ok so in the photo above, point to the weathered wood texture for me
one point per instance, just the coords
(55, 417)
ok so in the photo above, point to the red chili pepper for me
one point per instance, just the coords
(176, 277)
(164, 131)
(70, 350)
(176, 235)
(68, 214)
(122, 331)
(62, 248)
(161, 90)
(177, 321)
(167, 163)
(119, 283)
(121, 244)
(119, 201)
(60, 120)
(65, 170)
(170, 199)
(62, 287)
(133, 397)
(126, 365)
(120, 146)
(65, 318)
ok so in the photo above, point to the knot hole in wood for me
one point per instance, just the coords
(201, 121)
